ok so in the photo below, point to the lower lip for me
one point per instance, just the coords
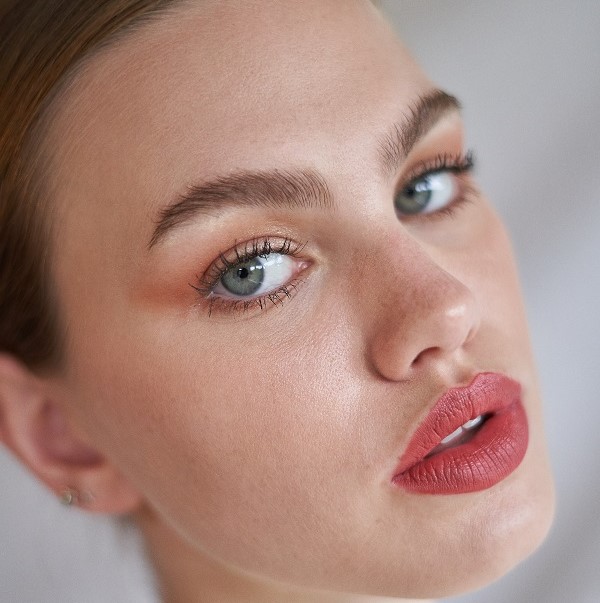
(494, 452)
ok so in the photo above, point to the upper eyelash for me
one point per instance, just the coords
(459, 163)
(244, 253)
(252, 249)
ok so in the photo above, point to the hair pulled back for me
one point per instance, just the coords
(42, 45)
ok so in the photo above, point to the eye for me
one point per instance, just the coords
(428, 193)
(435, 186)
(257, 276)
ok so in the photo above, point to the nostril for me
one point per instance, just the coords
(427, 354)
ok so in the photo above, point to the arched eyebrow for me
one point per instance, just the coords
(422, 115)
(297, 188)
(273, 188)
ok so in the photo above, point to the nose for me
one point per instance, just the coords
(425, 316)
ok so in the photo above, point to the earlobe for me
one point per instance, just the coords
(36, 428)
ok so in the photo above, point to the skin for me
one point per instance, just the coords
(255, 449)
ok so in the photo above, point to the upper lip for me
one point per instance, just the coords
(488, 393)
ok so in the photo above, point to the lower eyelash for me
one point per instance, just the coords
(469, 195)
(245, 253)
(460, 164)
(276, 298)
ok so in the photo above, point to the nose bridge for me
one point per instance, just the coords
(424, 313)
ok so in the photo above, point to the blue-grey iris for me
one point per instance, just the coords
(244, 279)
(415, 197)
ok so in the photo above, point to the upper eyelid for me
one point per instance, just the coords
(460, 164)
(461, 161)
(258, 245)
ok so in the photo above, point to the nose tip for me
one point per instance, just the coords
(429, 323)
(456, 327)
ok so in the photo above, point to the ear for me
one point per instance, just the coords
(36, 428)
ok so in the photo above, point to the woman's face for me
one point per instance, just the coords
(261, 405)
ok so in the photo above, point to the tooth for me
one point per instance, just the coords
(450, 437)
(473, 422)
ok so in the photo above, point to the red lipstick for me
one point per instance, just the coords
(473, 438)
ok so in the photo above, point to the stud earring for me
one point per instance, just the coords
(70, 497)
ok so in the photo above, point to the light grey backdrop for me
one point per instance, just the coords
(528, 73)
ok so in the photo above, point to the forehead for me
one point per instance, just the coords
(216, 86)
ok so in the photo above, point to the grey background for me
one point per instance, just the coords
(528, 74)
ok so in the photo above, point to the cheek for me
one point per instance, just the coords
(232, 441)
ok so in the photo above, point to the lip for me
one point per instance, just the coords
(494, 451)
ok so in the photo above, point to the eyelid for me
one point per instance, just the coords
(241, 253)
(459, 164)
(456, 162)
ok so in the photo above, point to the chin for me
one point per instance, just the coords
(516, 521)
(486, 534)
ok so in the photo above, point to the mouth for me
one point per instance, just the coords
(461, 435)
(473, 438)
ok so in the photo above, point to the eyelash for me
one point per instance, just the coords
(239, 255)
(461, 163)
(453, 162)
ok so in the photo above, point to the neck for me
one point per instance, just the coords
(186, 575)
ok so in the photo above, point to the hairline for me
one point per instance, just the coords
(35, 163)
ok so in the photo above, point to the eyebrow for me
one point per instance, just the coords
(421, 116)
(302, 188)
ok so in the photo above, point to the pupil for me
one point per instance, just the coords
(243, 273)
